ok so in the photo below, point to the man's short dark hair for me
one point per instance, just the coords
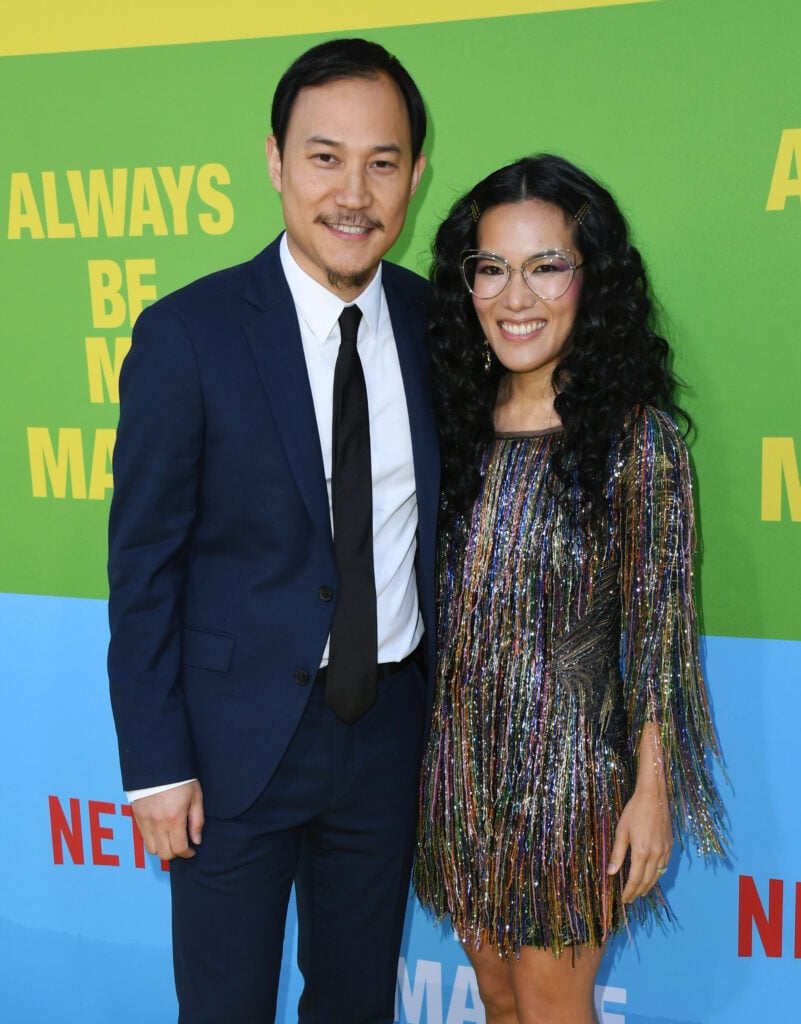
(346, 58)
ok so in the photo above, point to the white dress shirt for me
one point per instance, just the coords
(400, 625)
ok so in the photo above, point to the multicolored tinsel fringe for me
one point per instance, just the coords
(557, 645)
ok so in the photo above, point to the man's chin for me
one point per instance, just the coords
(357, 279)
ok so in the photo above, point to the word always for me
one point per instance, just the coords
(125, 202)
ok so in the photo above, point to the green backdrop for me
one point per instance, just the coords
(679, 106)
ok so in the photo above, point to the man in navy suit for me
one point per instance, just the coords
(223, 578)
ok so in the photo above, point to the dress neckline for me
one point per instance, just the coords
(503, 435)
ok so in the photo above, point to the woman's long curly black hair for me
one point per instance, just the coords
(613, 358)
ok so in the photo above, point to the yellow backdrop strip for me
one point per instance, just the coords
(52, 26)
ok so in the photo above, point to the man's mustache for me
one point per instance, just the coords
(350, 221)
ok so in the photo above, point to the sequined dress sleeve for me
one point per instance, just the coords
(662, 678)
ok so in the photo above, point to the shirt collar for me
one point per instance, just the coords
(320, 308)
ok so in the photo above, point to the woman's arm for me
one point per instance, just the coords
(644, 827)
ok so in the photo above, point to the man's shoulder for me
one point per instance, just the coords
(406, 282)
(213, 294)
(209, 288)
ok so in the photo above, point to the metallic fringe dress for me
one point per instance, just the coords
(555, 649)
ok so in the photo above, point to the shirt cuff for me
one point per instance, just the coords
(137, 794)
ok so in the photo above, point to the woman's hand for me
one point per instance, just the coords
(644, 827)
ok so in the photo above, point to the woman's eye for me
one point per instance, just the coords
(555, 267)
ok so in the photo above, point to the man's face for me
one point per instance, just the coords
(346, 177)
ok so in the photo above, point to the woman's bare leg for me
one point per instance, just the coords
(537, 987)
(494, 985)
(555, 990)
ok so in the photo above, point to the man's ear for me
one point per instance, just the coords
(274, 161)
(417, 173)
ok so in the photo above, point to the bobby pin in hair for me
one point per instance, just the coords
(581, 213)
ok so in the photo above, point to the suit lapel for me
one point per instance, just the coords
(408, 325)
(271, 327)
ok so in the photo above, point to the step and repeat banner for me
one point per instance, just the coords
(131, 162)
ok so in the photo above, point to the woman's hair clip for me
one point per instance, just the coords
(581, 212)
(474, 210)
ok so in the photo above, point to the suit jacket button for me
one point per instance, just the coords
(325, 593)
(301, 677)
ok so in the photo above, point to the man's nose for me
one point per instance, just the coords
(354, 192)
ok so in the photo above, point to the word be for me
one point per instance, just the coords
(769, 925)
(67, 833)
(118, 293)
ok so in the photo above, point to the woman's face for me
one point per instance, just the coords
(527, 333)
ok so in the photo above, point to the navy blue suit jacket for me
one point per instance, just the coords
(221, 563)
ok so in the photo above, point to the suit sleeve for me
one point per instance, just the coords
(156, 466)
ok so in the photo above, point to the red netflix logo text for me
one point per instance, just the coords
(768, 924)
(106, 835)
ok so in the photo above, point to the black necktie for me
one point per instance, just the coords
(353, 651)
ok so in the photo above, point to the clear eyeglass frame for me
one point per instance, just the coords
(539, 259)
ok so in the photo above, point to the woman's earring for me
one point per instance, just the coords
(487, 356)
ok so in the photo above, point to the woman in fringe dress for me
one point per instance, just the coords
(571, 734)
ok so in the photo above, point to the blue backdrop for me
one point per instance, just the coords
(85, 931)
